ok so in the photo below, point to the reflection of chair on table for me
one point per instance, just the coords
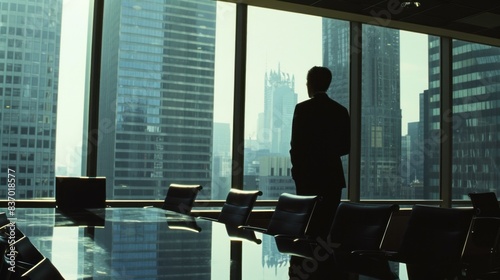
(182, 223)
(180, 198)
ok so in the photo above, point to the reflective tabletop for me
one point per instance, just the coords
(145, 243)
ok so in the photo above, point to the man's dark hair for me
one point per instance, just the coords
(319, 78)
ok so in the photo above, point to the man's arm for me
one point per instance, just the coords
(345, 136)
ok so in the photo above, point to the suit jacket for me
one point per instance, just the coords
(320, 136)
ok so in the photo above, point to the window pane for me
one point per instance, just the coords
(394, 90)
(35, 83)
(282, 47)
(476, 133)
(157, 95)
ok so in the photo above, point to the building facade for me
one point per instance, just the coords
(476, 132)
(157, 90)
(29, 74)
(380, 106)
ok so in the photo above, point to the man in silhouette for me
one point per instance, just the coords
(320, 136)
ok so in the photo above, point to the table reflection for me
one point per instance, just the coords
(145, 243)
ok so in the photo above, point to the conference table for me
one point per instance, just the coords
(148, 243)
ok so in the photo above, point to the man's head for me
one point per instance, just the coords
(318, 80)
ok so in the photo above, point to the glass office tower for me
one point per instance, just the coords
(476, 111)
(30, 34)
(157, 90)
(380, 106)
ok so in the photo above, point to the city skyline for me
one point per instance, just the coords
(74, 72)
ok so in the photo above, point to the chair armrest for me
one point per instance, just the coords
(207, 218)
(257, 229)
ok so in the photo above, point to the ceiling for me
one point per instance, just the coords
(480, 19)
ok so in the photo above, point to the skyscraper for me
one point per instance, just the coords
(29, 73)
(380, 106)
(476, 104)
(279, 102)
(157, 89)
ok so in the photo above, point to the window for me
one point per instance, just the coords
(395, 90)
(475, 118)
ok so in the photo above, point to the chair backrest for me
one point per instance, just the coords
(26, 256)
(359, 226)
(80, 193)
(292, 215)
(481, 254)
(485, 204)
(3, 219)
(238, 206)
(180, 198)
(434, 239)
(43, 270)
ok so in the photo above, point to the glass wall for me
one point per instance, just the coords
(282, 47)
(395, 84)
(476, 118)
(43, 57)
(166, 90)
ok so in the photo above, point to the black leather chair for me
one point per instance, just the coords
(290, 218)
(236, 211)
(481, 254)
(180, 198)
(238, 206)
(432, 244)
(359, 226)
(25, 255)
(3, 219)
(356, 226)
(43, 270)
(485, 204)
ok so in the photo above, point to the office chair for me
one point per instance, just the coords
(432, 244)
(43, 270)
(75, 194)
(485, 204)
(238, 206)
(26, 256)
(481, 254)
(290, 218)
(236, 211)
(359, 226)
(3, 219)
(356, 226)
(180, 198)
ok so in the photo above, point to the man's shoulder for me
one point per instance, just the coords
(321, 101)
